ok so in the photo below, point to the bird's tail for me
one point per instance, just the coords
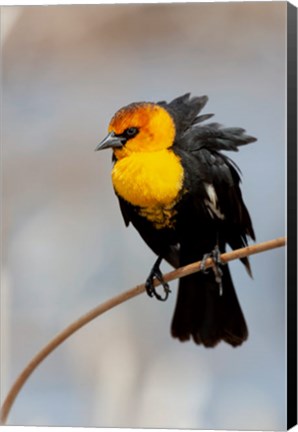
(206, 314)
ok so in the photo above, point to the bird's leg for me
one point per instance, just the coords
(216, 268)
(157, 274)
(217, 263)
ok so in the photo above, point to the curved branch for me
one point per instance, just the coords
(115, 301)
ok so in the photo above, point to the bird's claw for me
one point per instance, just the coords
(217, 263)
(149, 285)
(203, 263)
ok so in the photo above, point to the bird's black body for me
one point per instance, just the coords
(209, 211)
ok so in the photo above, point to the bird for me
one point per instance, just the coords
(182, 193)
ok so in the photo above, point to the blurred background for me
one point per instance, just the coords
(65, 249)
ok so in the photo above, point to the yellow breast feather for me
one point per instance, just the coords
(151, 181)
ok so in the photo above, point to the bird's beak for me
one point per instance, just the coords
(110, 141)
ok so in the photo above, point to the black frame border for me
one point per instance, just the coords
(292, 216)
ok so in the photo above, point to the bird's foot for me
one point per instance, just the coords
(217, 263)
(157, 274)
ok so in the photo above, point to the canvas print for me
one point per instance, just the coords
(144, 218)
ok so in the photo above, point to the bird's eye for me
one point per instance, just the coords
(131, 132)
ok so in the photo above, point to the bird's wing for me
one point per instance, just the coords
(190, 131)
(125, 210)
(214, 137)
(216, 176)
(215, 180)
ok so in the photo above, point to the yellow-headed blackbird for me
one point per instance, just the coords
(183, 196)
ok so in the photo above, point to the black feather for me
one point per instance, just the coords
(184, 110)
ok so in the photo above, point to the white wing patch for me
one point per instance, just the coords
(212, 202)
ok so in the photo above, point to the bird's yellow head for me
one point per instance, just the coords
(139, 127)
